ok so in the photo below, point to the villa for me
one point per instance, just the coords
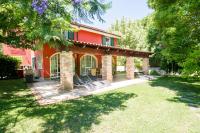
(94, 51)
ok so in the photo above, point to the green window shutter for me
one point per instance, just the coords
(103, 40)
(65, 35)
(112, 41)
(70, 35)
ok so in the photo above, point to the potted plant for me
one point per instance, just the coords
(29, 75)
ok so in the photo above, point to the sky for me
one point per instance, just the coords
(133, 9)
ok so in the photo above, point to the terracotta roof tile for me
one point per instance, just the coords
(109, 47)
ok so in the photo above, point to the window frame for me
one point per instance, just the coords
(110, 41)
(69, 35)
(91, 62)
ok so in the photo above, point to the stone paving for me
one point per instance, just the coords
(49, 91)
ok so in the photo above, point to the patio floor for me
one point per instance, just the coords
(49, 92)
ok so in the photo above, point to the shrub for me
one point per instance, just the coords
(153, 72)
(191, 67)
(8, 67)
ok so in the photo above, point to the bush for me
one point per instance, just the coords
(8, 67)
(191, 66)
(153, 72)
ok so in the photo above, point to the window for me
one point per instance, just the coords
(33, 63)
(87, 63)
(39, 62)
(109, 41)
(69, 35)
(55, 66)
(112, 41)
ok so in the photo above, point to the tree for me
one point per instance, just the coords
(134, 36)
(192, 64)
(133, 33)
(175, 31)
(24, 23)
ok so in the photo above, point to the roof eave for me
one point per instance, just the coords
(94, 30)
(130, 52)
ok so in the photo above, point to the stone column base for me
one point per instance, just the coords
(66, 70)
(130, 68)
(107, 68)
(145, 66)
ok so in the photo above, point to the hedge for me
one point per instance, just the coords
(8, 67)
(154, 72)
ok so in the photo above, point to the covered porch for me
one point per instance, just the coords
(92, 59)
(50, 91)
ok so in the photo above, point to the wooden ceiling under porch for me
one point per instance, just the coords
(91, 48)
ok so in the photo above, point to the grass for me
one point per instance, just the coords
(164, 105)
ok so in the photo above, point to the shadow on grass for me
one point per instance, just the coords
(74, 116)
(188, 91)
(15, 98)
(78, 115)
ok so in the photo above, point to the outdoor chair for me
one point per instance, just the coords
(97, 84)
(80, 83)
(94, 72)
(87, 80)
(149, 77)
(95, 79)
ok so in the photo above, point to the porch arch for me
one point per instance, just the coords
(55, 66)
(87, 62)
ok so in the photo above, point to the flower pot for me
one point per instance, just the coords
(29, 78)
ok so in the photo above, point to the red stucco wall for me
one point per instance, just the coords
(86, 36)
(115, 42)
(90, 37)
(47, 53)
(24, 53)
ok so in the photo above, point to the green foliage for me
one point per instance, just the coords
(170, 96)
(175, 32)
(192, 64)
(154, 61)
(1, 48)
(154, 72)
(133, 33)
(8, 67)
(121, 61)
(138, 63)
(22, 26)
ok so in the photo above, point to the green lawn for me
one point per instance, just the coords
(166, 105)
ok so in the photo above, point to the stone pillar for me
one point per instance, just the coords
(145, 66)
(66, 70)
(107, 68)
(129, 68)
